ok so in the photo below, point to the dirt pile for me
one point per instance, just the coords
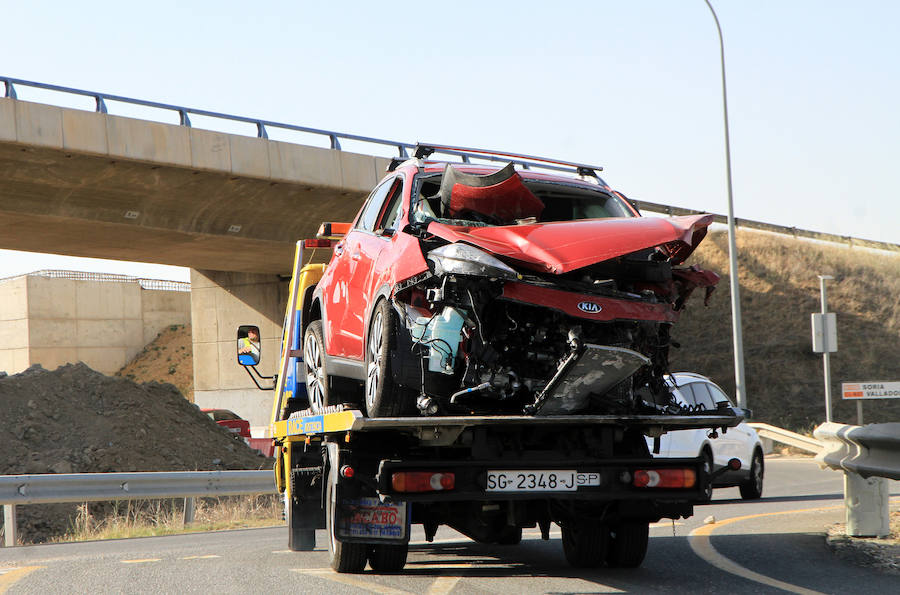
(168, 358)
(77, 420)
(779, 291)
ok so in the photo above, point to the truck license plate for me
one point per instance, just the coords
(533, 480)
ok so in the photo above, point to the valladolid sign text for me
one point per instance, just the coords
(871, 390)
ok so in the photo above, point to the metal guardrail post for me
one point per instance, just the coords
(9, 525)
(867, 455)
(866, 503)
(188, 511)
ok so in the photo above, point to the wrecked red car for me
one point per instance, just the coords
(477, 289)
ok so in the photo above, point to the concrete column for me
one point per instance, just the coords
(9, 525)
(220, 302)
(866, 502)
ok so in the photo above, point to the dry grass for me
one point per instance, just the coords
(146, 518)
(779, 291)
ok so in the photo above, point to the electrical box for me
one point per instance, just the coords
(824, 333)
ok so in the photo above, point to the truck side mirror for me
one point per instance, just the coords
(248, 347)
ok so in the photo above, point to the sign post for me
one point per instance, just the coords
(824, 339)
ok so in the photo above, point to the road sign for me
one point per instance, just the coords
(871, 390)
(824, 333)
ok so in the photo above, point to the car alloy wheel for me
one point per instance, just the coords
(373, 374)
(315, 372)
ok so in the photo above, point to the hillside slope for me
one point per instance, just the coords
(779, 291)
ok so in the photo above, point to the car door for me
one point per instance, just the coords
(741, 438)
(364, 245)
(684, 443)
(725, 446)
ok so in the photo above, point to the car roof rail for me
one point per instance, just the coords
(425, 150)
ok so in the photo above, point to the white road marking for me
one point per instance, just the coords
(206, 557)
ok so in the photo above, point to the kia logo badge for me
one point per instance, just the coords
(589, 307)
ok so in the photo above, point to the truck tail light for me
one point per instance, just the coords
(422, 481)
(319, 243)
(664, 478)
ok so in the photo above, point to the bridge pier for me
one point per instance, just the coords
(220, 302)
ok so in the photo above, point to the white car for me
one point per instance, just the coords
(740, 442)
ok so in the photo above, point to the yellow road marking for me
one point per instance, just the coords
(344, 579)
(442, 585)
(140, 560)
(207, 557)
(700, 543)
(9, 576)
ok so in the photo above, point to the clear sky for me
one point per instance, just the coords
(632, 85)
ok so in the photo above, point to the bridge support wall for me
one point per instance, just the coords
(220, 302)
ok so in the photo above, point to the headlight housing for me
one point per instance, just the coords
(463, 259)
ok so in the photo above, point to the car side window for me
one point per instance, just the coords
(702, 396)
(687, 394)
(373, 206)
(718, 395)
(390, 217)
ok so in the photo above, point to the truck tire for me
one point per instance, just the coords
(299, 540)
(343, 557)
(752, 488)
(585, 543)
(384, 397)
(388, 557)
(319, 385)
(627, 544)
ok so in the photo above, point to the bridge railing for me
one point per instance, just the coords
(868, 456)
(404, 149)
(91, 487)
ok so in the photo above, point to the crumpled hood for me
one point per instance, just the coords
(563, 246)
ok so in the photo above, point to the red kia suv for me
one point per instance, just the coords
(479, 289)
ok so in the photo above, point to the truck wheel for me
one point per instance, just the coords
(752, 488)
(510, 536)
(317, 385)
(388, 557)
(585, 543)
(299, 540)
(343, 557)
(384, 397)
(628, 544)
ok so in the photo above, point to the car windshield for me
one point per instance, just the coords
(555, 201)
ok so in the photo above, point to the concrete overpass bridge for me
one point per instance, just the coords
(228, 206)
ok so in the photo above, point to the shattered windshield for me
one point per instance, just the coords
(505, 198)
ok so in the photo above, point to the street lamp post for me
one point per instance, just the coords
(740, 387)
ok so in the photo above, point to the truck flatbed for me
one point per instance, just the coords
(353, 420)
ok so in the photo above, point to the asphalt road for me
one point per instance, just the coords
(775, 544)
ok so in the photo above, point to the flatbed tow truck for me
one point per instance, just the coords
(366, 481)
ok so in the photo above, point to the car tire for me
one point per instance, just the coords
(707, 495)
(585, 543)
(752, 487)
(383, 397)
(628, 542)
(320, 387)
(388, 557)
(342, 557)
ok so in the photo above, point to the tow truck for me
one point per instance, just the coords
(367, 481)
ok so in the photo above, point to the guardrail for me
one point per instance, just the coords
(92, 487)
(403, 150)
(770, 432)
(868, 455)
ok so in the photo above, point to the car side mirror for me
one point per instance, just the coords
(248, 346)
